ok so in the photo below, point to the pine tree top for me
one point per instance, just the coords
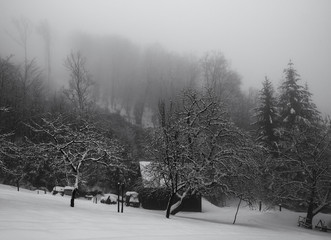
(295, 103)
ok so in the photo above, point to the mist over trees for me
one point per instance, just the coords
(132, 79)
(120, 103)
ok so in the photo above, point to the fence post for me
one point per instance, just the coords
(122, 187)
(118, 197)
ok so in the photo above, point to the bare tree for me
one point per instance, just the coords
(15, 158)
(6, 150)
(79, 145)
(21, 92)
(198, 149)
(8, 84)
(44, 30)
(217, 74)
(24, 30)
(30, 74)
(80, 91)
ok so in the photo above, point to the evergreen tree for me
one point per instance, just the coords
(266, 116)
(300, 173)
(301, 177)
(309, 113)
(291, 94)
(296, 109)
(295, 105)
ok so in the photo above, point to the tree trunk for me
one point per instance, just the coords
(18, 184)
(176, 207)
(310, 215)
(171, 199)
(310, 210)
(73, 195)
(235, 216)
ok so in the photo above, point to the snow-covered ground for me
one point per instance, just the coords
(27, 215)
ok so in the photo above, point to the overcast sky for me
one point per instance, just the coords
(258, 37)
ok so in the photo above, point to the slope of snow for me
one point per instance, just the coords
(27, 215)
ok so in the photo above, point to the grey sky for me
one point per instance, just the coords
(258, 37)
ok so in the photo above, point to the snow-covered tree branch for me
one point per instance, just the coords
(198, 148)
(80, 144)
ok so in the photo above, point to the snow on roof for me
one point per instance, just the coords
(129, 193)
(58, 188)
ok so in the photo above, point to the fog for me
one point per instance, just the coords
(258, 37)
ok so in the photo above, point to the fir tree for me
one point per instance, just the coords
(266, 115)
(309, 112)
(295, 104)
(291, 94)
(301, 171)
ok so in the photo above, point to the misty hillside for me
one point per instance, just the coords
(219, 99)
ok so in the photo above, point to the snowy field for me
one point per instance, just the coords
(27, 215)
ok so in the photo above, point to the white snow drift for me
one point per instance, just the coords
(26, 215)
